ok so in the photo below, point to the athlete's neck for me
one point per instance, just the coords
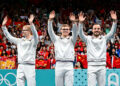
(95, 36)
(64, 36)
(28, 37)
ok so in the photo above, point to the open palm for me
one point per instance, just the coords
(5, 21)
(52, 14)
(72, 17)
(81, 17)
(113, 15)
(31, 18)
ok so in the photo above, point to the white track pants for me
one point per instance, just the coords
(26, 72)
(64, 74)
(96, 74)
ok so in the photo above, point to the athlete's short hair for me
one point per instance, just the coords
(65, 25)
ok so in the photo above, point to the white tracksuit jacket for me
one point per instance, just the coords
(64, 47)
(96, 47)
(26, 48)
(64, 55)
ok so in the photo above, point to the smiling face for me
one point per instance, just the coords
(65, 30)
(96, 30)
(26, 31)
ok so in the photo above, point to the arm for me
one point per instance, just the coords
(34, 31)
(51, 32)
(81, 33)
(9, 36)
(74, 27)
(114, 25)
(74, 33)
(50, 27)
(35, 34)
(112, 31)
(80, 27)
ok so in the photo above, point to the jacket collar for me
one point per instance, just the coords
(68, 37)
(97, 37)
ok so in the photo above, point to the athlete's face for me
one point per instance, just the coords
(96, 30)
(65, 31)
(26, 32)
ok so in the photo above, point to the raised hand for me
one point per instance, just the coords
(52, 15)
(113, 15)
(31, 18)
(81, 17)
(72, 17)
(5, 21)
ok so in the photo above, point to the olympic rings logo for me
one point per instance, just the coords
(7, 80)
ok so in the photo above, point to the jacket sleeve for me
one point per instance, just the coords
(81, 33)
(74, 33)
(112, 31)
(35, 34)
(51, 33)
(9, 36)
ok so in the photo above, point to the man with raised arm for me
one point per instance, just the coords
(64, 51)
(26, 48)
(96, 50)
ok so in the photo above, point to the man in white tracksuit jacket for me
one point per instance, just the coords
(96, 50)
(64, 51)
(26, 48)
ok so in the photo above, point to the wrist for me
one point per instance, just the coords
(31, 23)
(3, 25)
(81, 22)
(50, 19)
(74, 20)
(115, 20)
